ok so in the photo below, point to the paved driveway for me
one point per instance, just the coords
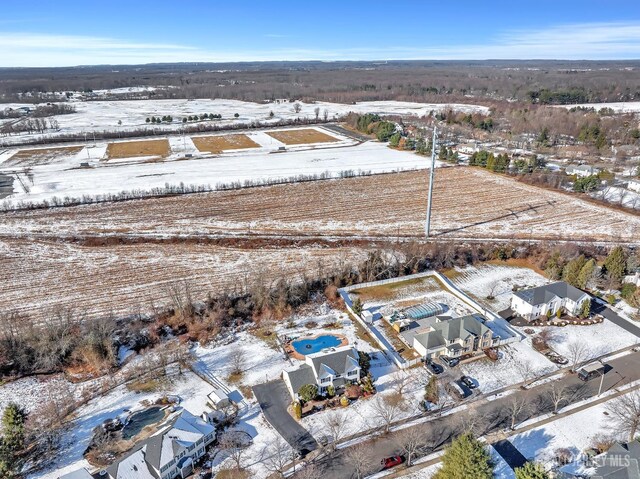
(612, 316)
(274, 399)
(509, 453)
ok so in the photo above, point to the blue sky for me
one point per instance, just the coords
(62, 33)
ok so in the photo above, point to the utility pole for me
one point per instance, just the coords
(427, 226)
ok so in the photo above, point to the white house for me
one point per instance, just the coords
(582, 170)
(335, 367)
(169, 453)
(633, 278)
(634, 185)
(539, 302)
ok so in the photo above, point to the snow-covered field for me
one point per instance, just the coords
(65, 179)
(518, 362)
(105, 115)
(618, 107)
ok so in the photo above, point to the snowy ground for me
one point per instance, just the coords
(105, 115)
(479, 282)
(518, 362)
(598, 339)
(575, 432)
(618, 107)
(620, 196)
(64, 179)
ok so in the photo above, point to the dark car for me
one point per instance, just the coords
(451, 362)
(393, 461)
(467, 381)
(435, 368)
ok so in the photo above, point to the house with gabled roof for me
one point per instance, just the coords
(453, 337)
(335, 367)
(621, 461)
(168, 454)
(543, 301)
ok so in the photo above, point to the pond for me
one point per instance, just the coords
(317, 344)
(139, 420)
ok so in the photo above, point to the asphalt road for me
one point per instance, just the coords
(274, 400)
(612, 316)
(488, 416)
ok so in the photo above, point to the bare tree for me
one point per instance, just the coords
(558, 394)
(238, 361)
(492, 289)
(335, 423)
(578, 352)
(386, 409)
(626, 413)
(325, 114)
(310, 471)
(517, 405)
(411, 441)
(316, 110)
(358, 457)
(231, 443)
(297, 107)
(401, 379)
(278, 456)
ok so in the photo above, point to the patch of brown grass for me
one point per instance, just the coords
(144, 386)
(220, 143)
(131, 149)
(40, 156)
(232, 474)
(301, 136)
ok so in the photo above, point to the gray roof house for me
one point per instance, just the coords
(79, 474)
(582, 170)
(454, 337)
(168, 454)
(535, 303)
(621, 461)
(335, 367)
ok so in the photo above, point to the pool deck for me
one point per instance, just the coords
(296, 355)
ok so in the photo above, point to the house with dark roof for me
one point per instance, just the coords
(546, 300)
(169, 453)
(453, 337)
(335, 367)
(621, 461)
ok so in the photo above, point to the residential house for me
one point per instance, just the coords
(454, 338)
(582, 170)
(634, 185)
(633, 278)
(546, 300)
(335, 367)
(169, 453)
(621, 461)
(79, 474)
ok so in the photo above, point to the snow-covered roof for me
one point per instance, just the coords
(334, 361)
(218, 395)
(546, 293)
(79, 474)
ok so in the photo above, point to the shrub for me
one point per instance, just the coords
(296, 407)
(353, 391)
(331, 391)
(627, 290)
(308, 392)
(344, 402)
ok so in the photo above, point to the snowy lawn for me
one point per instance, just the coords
(575, 432)
(518, 362)
(497, 280)
(595, 340)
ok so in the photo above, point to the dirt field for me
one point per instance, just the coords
(301, 136)
(218, 144)
(39, 276)
(41, 156)
(468, 203)
(132, 149)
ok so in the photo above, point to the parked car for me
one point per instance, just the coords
(590, 371)
(556, 358)
(435, 368)
(451, 362)
(393, 461)
(467, 381)
(457, 390)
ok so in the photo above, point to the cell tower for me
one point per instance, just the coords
(427, 225)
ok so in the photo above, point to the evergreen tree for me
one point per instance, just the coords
(357, 306)
(465, 458)
(616, 264)
(586, 274)
(531, 470)
(394, 140)
(585, 309)
(13, 420)
(572, 269)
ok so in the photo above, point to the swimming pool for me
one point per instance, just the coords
(140, 419)
(317, 344)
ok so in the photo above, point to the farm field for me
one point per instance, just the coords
(40, 276)
(132, 149)
(468, 203)
(41, 156)
(301, 136)
(220, 143)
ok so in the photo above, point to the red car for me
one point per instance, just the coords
(393, 461)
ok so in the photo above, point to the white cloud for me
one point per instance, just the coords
(575, 41)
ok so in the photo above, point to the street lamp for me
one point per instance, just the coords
(601, 378)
